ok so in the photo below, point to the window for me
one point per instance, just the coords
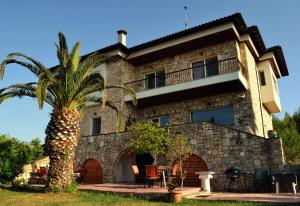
(224, 116)
(198, 70)
(205, 68)
(96, 126)
(275, 84)
(155, 80)
(162, 121)
(262, 78)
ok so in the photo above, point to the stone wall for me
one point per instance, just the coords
(223, 51)
(250, 116)
(220, 147)
(117, 73)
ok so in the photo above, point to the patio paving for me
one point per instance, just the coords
(254, 197)
(137, 190)
(191, 193)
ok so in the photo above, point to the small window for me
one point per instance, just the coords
(96, 126)
(162, 121)
(224, 116)
(262, 78)
(155, 80)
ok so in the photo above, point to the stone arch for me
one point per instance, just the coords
(194, 163)
(93, 172)
(122, 167)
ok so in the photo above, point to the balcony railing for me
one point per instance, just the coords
(197, 72)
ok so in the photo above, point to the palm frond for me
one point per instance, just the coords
(35, 62)
(20, 90)
(128, 90)
(75, 56)
(34, 69)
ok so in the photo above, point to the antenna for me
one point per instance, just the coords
(186, 19)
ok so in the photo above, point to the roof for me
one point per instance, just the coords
(239, 24)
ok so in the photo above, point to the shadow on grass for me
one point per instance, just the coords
(24, 189)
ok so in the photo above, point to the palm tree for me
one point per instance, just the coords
(67, 88)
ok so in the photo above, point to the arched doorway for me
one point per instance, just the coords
(194, 164)
(93, 172)
(123, 167)
(122, 170)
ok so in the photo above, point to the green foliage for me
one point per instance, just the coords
(71, 188)
(150, 139)
(55, 190)
(180, 150)
(289, 131)
(14, 154)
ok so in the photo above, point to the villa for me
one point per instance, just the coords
(217, 84)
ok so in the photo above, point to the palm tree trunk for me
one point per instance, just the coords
(62, 136)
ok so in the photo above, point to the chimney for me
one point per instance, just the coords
(122, 36)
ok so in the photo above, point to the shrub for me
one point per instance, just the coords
(72, 187)
(14, 154)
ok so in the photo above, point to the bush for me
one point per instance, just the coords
(14, 154)
(72, 187)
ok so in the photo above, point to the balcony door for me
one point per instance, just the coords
(155, 80)
(205, 68)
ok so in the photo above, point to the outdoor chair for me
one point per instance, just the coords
(151, 174)
(136, 173)
(261, 181)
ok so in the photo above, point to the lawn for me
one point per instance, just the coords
(82, 198)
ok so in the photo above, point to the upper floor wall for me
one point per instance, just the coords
(210, 70)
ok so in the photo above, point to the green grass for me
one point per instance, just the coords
(85, 198)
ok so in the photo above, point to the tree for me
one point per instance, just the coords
(150, 139)
(289, 133)
(67, 88)
(180, 150)
(14, 154)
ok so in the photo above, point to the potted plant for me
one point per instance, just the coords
(175, 195)
(180, 150)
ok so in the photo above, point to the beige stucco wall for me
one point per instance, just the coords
(270, 92)
(253, 94)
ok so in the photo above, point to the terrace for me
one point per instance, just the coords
(203, 78)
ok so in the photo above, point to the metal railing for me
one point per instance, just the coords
(200, 71)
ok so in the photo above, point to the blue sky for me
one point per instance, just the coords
(31, 27)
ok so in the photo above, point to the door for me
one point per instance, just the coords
(141, 161)
(93, 173)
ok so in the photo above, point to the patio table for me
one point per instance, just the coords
(205, 177)
(289, 177)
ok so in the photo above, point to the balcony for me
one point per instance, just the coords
(202, 79)
(269, 87)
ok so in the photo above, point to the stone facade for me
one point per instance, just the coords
(220, 147)
(242, 146)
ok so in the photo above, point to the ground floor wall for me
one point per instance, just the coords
(219, 147)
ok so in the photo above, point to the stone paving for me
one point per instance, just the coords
(191, 193)
(136, 190)
(253, 197)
